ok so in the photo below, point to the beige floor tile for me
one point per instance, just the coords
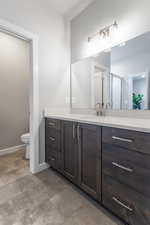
(44, 199)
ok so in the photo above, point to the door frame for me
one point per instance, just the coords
(32, 39)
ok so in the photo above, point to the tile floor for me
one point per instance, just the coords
(44, 199)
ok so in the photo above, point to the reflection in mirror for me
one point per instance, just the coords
(87, 81)
(130, 74)
(118, 79)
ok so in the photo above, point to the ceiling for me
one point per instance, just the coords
(135, 46)
(69, 8)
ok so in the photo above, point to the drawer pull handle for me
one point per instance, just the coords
(52, 159)
(122, 139)
(73, 131)
(78, 133)
(122, 204)
(52, 139)
(122, 167)
(52, 124)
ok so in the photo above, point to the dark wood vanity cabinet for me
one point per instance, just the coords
(127, 167)
(82, 156)
(128, 204)
(90, 159)
(112, 165)
(127, 139)
(53, 149)
(70, 151)
(74, 149)
(126, 174)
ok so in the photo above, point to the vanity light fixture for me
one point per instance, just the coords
(104, 32)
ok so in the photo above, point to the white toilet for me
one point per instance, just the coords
(25, 138)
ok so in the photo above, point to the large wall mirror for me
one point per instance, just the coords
(118, 79)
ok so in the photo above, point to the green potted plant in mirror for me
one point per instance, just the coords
(137, 100)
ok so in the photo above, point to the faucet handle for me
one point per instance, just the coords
(98, 107)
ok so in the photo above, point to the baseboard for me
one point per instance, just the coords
(11, 149)
(41, 167)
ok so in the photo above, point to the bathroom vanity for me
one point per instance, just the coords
(110, 162)
(108, 157)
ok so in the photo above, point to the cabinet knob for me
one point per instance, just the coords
(51, 124)
(52, 139)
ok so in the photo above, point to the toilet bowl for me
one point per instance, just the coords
(25, 138)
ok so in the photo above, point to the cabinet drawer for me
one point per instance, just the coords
(132, 207)
(53, 138)
(54, 158)
(52, 132)
(53, 124)
(132, 140)
(50, 151)
(128, 167)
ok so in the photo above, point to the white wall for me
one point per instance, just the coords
(53, 55)
(81, 84)
(133, 65)
(132, 16)
(14, 90)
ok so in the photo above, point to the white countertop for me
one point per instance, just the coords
(142, 125)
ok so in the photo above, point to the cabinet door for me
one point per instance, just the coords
(70, 151)
(90, 160)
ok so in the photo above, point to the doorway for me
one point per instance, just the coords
(17, 31)
(14, 93)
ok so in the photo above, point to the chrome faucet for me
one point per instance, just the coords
(99, 109)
